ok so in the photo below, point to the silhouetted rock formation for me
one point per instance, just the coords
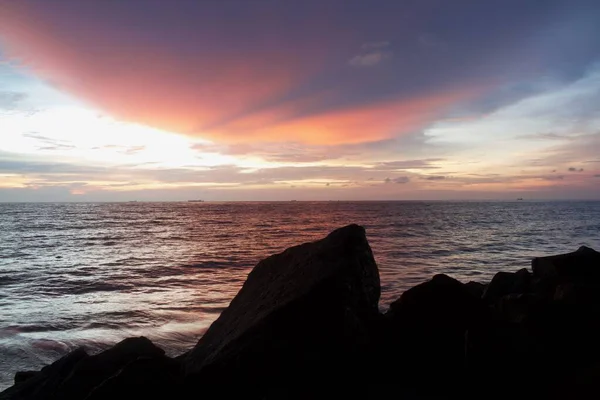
(44, 384)
(505, 283)
(300, 315)
(425, 334)
(77, 374)
(580, 264)
(306, 325)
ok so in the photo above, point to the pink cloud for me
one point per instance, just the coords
(212, 88)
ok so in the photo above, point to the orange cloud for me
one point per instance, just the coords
(350, 125)
(144, 82)
(211, 88)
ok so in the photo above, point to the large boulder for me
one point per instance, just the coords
(579, 265)
(544, 336)
(505, 283)
(441, 302)
(477, 289)
(22, 376)
(144, 378)
(302, 319)
(517, 307)
(581, 295)
(77, 375)
(93, 370)
(44, 384)
(502, 361)
(427, 327)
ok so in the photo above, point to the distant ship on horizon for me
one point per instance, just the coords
(520, 199)
(195, 201)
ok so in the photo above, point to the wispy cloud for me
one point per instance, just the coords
(428, 163)
(552, 177)
(399, 180)
(10, 100)
(544, 136)
(350, 124)
(372, 54)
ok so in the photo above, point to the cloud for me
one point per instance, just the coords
(581, 147)
(597, 176)
(10, 100)
(158, 75)
(134, 149)
(408, 164)
(142, 64)
(434, 177)
(372, 53)
(96, 183)
(552, 177)
(48, 143)
(288, 152)
(346, 125)
(402, 179)
(39, 167)
(370, 59)
(544, 136)
(399, 180)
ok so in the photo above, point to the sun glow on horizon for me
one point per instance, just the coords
(79, 134)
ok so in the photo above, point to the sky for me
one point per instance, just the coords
(304, 100)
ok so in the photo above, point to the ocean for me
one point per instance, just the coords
(91, 274)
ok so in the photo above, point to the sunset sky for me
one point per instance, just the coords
(307, 100)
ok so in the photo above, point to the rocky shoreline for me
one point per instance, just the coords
(306, 324)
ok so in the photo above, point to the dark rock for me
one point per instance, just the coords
(476, 288)
(566, 338)
(44, 384)
(301, 320)
(540, 342)
(544, 287)
(442, 301)
(578, 294)
(565, 292)
(93, 370)
(501, 360)
(516, 308)
(580, 265)
(147, 378)
(505, 283)
(22, 376)
(535, 343)
(428, 325)
(580, 384)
